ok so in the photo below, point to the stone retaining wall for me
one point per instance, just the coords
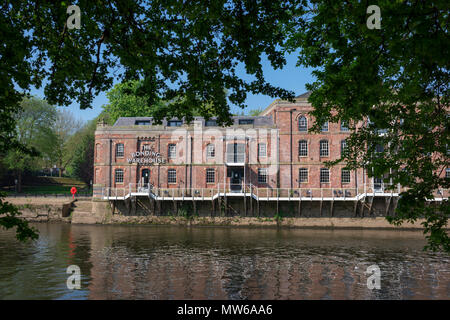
(102, 211)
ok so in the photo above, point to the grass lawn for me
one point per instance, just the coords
(52, 185)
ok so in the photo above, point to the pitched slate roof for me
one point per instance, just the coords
(304, 96)
(131, 121)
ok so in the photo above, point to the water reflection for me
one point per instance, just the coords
(148, 262)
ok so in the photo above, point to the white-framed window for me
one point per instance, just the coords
(142, 122)
(97, 151)
(303, 175)
(262, 175)
(343, 146)
(324, 150)
(210, 151)
(245, 121)
(174, 123)
(118, 175)
(119, 150)
(325, 127)
(210, 175)
(303, 148)
(262, 150)
(303, 124)
(324, 175)
(97, 175)
(172, 151)
(172, 176)
(210, 123)
(345, 176)
(379, 148)
(344, 126)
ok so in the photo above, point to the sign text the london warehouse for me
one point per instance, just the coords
(148, 156)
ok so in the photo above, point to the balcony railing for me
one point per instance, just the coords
(221, 189)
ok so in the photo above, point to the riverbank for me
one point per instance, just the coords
(319, 223)
(43, 209)
(64, 210)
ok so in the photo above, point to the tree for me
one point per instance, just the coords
(178, 49)
(396, 75)
(255, 112)
(395, 80)
(81, 152)
(64, 127)
(33, 130)
(124, 101)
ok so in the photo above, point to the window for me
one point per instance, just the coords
(345, 176)
(324, 151)
(303, 124)
(210, 123)
(97, 175)
(262, 150)
(174, 123)
(142, 122)
(235, 152)
(303, 175)
(343, 146)
(447, 173)
(245, 121)
(118, 175)
(210, 175)
(344, 126)
(325, 127)
(379, 148)
(262, 175)
(210, 151)
(172, 176)
(119, 150)
(97, 151)
(172, 152)
(324, 175)
(378, 184)
(303, 148)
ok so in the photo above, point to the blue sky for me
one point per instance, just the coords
(290, 78)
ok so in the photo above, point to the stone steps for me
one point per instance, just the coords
(82, 213)
(83, 206)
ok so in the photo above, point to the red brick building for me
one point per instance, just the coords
(270, 151)
(264, 164)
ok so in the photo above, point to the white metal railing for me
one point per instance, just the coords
(114, 192)
(267, 193)
(139, 187)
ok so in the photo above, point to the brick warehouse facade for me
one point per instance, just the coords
(273, 150)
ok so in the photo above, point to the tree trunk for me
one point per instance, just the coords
(19, 181)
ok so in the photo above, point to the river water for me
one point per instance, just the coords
(159, 262)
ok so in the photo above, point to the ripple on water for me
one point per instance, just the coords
(130, 262)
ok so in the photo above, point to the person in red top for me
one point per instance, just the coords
(73, 190)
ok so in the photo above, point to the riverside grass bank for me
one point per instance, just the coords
(270, 165)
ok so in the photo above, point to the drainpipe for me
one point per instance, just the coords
(190, 174)
(110, 163)
(278, 158)
(245, 172)
(186, 163)
(159, 165)
(290, 113)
